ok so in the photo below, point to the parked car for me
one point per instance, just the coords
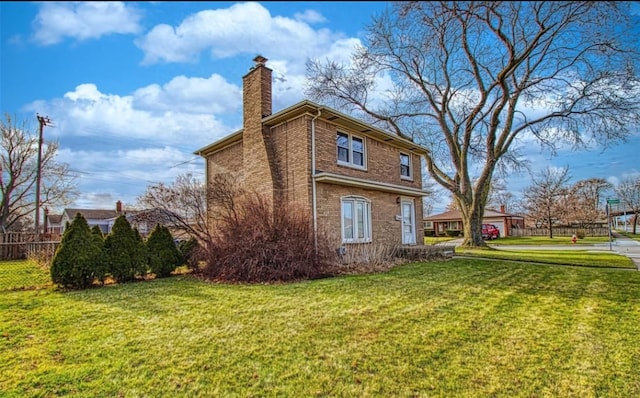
(490, 232)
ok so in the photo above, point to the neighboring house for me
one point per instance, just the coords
(143, 220)
(52, 223)
(103, 218)
(452, 221)
(359, 183)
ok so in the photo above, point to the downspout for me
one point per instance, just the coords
(314, 199)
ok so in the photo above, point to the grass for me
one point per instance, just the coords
(546, 241)
(23, 275)
(566, 257)
(630, 235)
(458, 328)
(432, 240)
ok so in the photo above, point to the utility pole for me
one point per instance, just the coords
(43, 121)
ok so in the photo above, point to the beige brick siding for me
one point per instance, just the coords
(227, 160)
(291, 155)
(382, 160)
(257, 91)
(292, 141)
(384, 209)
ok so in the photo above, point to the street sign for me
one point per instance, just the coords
(613, 201)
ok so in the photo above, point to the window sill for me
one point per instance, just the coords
(352, 166)
(352, 242)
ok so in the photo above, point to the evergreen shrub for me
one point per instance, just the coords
(164, 256)
(73, 264)
(124, 251)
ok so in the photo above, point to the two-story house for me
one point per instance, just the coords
(358, 182)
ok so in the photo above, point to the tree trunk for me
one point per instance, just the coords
(472, 228)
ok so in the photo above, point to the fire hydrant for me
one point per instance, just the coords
(574, 238)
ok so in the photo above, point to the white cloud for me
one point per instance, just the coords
(190, 95)
(240, 29)
(87, 112)
(83, 20)
(127, 172)
(310, 16)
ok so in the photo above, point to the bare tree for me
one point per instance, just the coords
(499, 196)
(180, 206)
(19, 168)
(628, 191)
(471, 80)
(544, 198)
(583, 201)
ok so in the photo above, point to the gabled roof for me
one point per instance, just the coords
(54, 218)
(454, 215)
(93, 214)
(311, 108)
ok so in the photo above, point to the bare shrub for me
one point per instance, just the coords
(259, 243)
(378, 256)
(368, 257)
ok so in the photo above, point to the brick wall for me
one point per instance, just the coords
(224, 161)
(256, 102)
(384, 209)
(292, 141)
(382, 159)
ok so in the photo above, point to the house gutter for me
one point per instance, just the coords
(313, 181)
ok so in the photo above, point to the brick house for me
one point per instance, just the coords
(359, 183)
(439, 224)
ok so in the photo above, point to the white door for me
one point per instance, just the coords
(408, 223)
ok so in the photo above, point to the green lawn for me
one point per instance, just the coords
(23, 275)
(458, 328)
(563, 257)
(630, 235)
(543, 240)
(432, 240)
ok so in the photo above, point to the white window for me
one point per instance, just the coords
(356, 220)
(405, 166)
(350, 150)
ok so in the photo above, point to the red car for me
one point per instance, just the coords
(490, 232)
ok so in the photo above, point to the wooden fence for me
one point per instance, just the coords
(560, 231)
(18, 245)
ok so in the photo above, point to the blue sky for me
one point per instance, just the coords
(134, 88)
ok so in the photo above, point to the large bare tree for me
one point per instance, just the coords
(18, 177)
(628, 191)
(181, 206)
(477, 81)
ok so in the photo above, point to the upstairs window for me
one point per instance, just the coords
(405, 166)
(350, 150)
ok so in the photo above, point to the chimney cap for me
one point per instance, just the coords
(260, 60)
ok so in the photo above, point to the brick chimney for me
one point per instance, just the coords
(119, 207)
(502, 209)
(256, 103)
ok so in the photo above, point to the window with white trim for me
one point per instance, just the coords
(356, 219)
(351, 151)
(405, 166)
